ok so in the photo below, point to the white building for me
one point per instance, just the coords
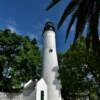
(35, 91)
(47, 88)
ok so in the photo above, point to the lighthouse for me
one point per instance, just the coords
(48, 87)
(50, 62)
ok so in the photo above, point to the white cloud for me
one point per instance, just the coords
(32, 35)
(14, 29)
(12, 22)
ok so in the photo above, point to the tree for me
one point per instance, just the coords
(83, 12)
(19, 61)
(79, 72)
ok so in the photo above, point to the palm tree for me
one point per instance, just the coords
(84, 12)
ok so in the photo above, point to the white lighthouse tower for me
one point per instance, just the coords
(50, 62)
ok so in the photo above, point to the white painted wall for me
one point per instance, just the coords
(11, 96)
(41, 86)
(50, 65)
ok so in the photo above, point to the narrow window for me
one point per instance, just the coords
(42, 95)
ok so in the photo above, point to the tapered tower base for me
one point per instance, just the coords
(50, 63)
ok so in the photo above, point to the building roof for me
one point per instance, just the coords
(32, 84)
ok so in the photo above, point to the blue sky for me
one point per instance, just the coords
(27, 17)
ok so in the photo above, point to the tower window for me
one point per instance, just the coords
(50, 50)
(42, 95)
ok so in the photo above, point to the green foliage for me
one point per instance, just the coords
(19, 61)
(79, 72)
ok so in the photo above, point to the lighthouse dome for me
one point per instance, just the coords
(49, 26)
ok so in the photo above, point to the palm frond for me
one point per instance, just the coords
(83, 11)
(81, 19)
(70, 25)
(52, 4)
(67, 11)
(88, 39)
(94, 22)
